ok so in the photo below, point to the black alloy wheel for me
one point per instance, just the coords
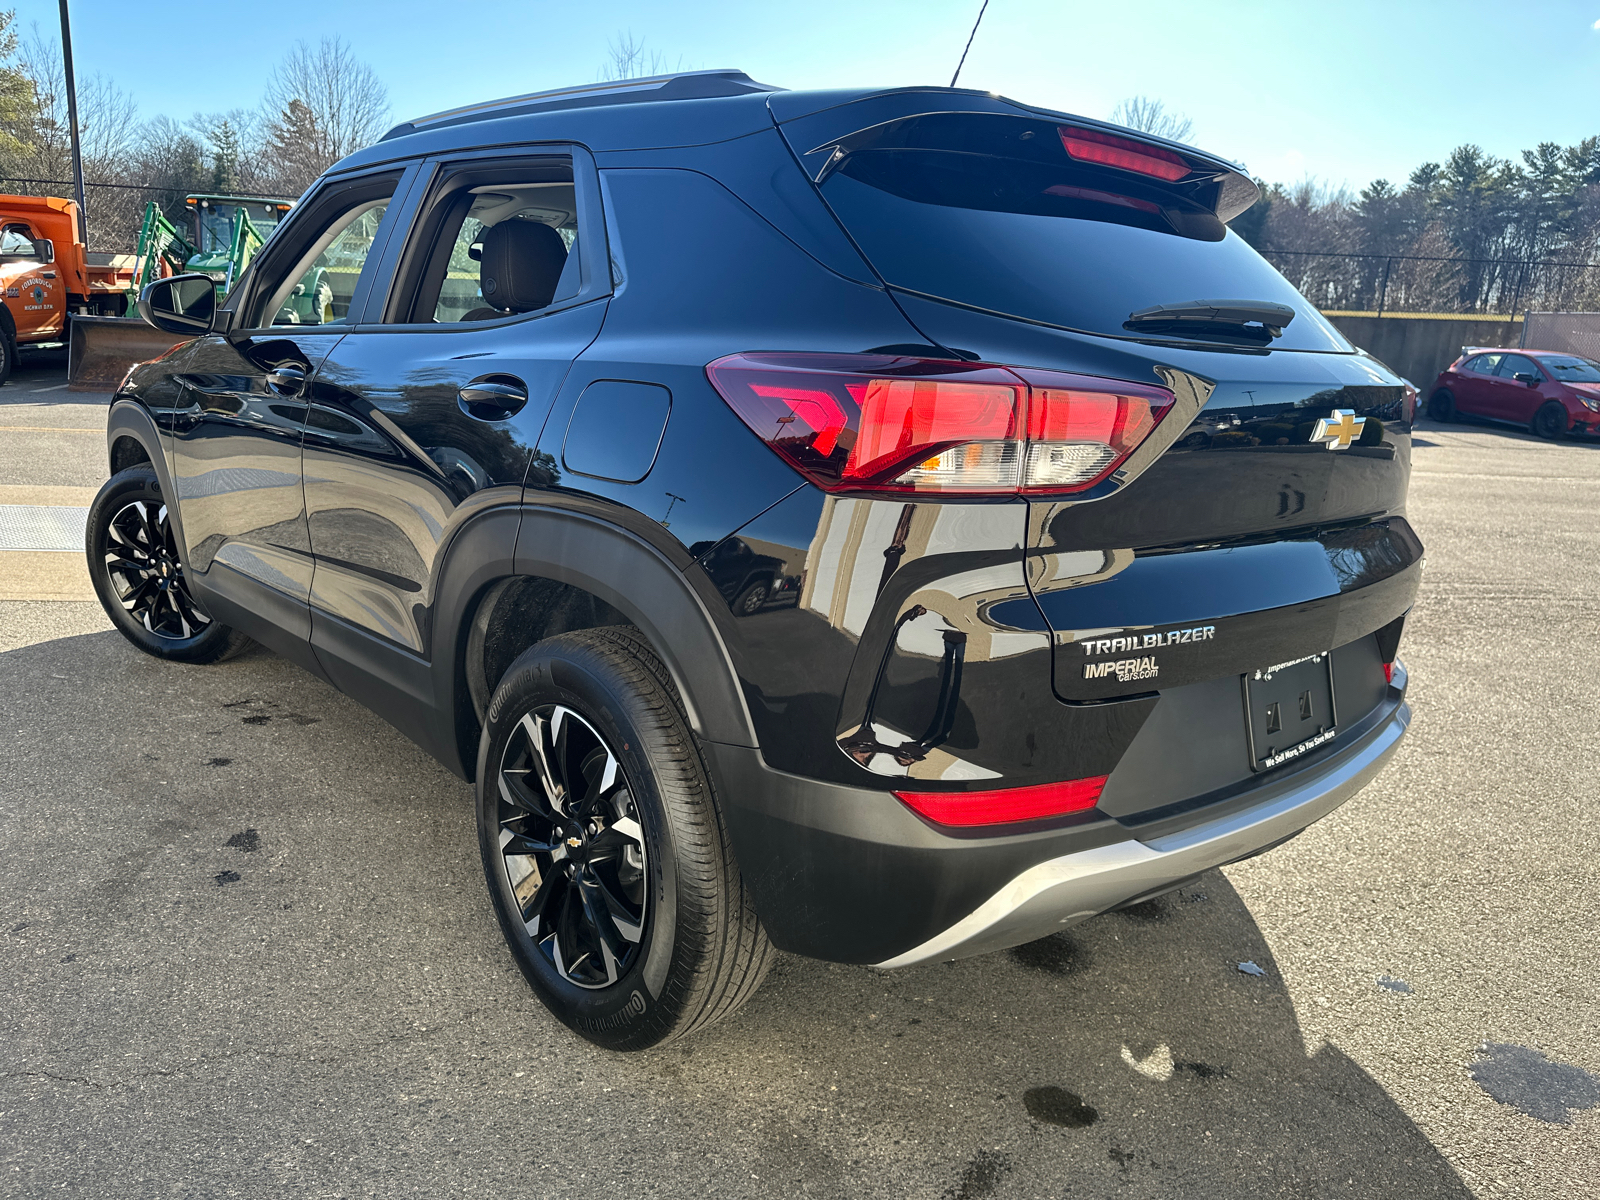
(1442, 407)
(606, 855)
(143, 563)
(138, 574)
(1550, 421)
(572, 846)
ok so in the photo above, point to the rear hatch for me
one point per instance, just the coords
(1264, 521)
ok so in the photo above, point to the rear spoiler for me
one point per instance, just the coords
(825, 139)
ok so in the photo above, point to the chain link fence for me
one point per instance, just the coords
(1375, 284)
(1573, 332)
(114, 210)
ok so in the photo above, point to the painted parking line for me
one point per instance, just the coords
(57, 388)
(44, 575)
(50, 429)
(49, 495)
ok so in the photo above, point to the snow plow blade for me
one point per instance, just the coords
(101, 349)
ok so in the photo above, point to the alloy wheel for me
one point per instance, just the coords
(141, 555)
(572, 847)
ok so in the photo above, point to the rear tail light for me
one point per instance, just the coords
(966, 809)
(1388, 672)
(1109, 150)
(881, 423)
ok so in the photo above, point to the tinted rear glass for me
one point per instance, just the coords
(1049, 241)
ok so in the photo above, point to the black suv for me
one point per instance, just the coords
(887, 526)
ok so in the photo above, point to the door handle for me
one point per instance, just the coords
(286, 380)
(493, 398)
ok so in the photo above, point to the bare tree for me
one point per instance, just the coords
(1151, 116)
(322, 103)
(38, 137)
(630, 60)
(107, 116)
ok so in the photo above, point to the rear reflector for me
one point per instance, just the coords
(1108, 150)
(870, 422)
(1388, 672)
(966, 809)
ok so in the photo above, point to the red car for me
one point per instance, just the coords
(1547, 391)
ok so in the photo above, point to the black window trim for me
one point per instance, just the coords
(594, 276)
(310, 212)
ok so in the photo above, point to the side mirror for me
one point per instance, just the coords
(184, 304)
(46, 248)
(1527, 377)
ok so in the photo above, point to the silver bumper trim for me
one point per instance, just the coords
(1077, 886)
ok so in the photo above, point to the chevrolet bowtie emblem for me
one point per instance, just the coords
(1339, 429)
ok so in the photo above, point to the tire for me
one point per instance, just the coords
(752, 598)
(1442, 407)
(8, 355)
(137, 573)
(1550, 421)
(647, 855)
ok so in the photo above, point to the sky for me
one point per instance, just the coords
(1344, 93)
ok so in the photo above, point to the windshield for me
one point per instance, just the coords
(1569, 368)
(1047, 243)
(218, 223)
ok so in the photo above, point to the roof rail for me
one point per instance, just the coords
(685, 85)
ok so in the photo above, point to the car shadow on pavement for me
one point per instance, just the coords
(238, 913)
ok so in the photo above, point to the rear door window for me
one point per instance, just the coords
(992, 213)
(1483, 364)
(1515, 364)
(498, 240)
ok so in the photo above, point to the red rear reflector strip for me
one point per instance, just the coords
(1108, 150)
(882, 423)
(967, 809)
(1388, 672)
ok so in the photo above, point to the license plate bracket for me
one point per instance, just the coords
(1289, 710)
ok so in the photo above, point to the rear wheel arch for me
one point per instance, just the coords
(571, 572)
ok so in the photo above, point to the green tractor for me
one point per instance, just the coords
(223, 235)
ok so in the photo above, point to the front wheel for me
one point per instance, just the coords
(1550, 421)
(138, 574)
(606, 856)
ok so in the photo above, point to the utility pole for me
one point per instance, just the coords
(72, 122)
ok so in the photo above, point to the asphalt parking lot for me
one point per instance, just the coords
(245, 948)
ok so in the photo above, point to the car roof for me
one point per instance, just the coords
(694, 108)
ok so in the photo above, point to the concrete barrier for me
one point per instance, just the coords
(1420, 345)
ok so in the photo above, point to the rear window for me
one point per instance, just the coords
(1004, 220)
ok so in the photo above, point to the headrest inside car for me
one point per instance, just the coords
(521, 264)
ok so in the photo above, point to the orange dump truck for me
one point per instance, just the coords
(48, 275)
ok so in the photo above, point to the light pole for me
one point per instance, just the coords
(72, 123)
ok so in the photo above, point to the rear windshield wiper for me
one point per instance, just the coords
(1252, 320)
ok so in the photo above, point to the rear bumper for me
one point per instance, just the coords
(851, 875)
(1074, 887)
